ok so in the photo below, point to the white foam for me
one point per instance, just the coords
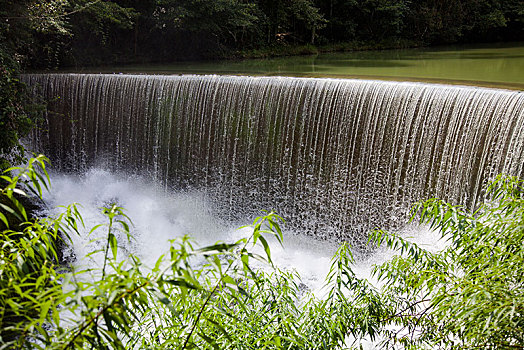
(160, 216)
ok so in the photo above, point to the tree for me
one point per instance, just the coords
(309, 16)
(291, 20)
(15, 119)
(22, 21)
(381, 19)
(222, 22)
(100, 31)
(341, 19)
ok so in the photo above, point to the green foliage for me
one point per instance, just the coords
(30, 289)
(219, 17)
(51, 34)
(98, 30)
(48, 16)
(471, 293)
(187, 300)
(290, 21)
(380, 19)
(17, 110)
(468, 295)
(45, 33)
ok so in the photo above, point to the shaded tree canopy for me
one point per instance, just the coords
(52, 33)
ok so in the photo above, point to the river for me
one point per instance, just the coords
(500, 66)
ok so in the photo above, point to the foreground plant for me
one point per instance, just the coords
(209, 297)
(30, 289)
(468, 295)
(471, 294)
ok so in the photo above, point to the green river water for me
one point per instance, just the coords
(493, 66)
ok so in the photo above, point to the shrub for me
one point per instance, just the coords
(471, 294)
(18, 111)
(468, 295)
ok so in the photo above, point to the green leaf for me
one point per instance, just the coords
(11, 211)
(4, 220)
(180, 282)
(96, 227)
(162, 298)
(113, 243)
(125, 226)
(266, 248)
(220, 328)
(219, 247)
(209, 340)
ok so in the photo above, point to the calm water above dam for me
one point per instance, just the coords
(501, 66)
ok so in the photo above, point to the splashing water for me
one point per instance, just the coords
(159, 216)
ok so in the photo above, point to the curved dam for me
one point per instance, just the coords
(334, 157)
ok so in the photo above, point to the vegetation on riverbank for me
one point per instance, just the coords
(309, 49)
(55, 33)
(467, 295)
(17, 111)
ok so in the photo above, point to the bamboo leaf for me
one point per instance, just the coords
(113, 244)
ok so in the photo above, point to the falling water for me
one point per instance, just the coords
(334, 157)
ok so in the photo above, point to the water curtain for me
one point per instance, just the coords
(334, 157)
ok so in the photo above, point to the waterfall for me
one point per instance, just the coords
(334, 157)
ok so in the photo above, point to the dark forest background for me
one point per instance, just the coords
(54, 33)
(50, 34)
